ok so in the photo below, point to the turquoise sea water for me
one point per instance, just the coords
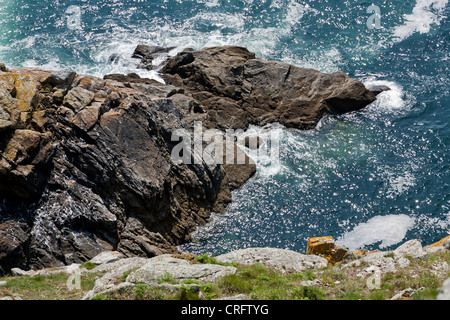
(373, 178)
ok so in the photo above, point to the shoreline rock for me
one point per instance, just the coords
(184, 272)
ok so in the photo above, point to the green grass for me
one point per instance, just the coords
(48, 287)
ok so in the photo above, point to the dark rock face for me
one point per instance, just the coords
(86, 163)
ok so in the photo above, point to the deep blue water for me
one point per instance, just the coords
(373, 178)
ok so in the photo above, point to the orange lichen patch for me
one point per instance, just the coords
(439, 243)
(337, 254)
(320, 245)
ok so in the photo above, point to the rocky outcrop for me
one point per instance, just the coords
(86, 162)
(280, 259)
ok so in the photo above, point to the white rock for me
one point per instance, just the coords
(379, 260)
(281, 259)
(404, 294)
(136, 262)
(17, 272)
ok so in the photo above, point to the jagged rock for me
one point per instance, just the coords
(325, 247)
(378, 89)
(17, 272)
(389, 261)
(404, 294)
(281, 259)
(78, 98)
(379, 261)
(253, 143)
(320, 245)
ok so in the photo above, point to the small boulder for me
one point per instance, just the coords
(17, 272)
(325, 247)
(78, 98)
(379, 89)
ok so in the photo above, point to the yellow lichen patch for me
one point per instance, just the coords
(22, 145)
(320, 245)
(439, 243)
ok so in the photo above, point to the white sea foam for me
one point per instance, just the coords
(389, 229)
(425, 13)
(391, 100)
